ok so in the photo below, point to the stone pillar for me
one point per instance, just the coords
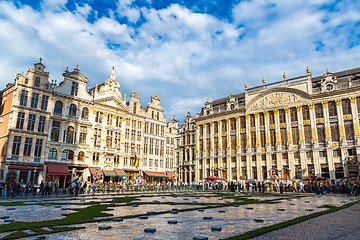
(228, 149)
(258, 147)
(267, 142)
(314, 142)
(219, 138)
(289, 143)
(248, 148)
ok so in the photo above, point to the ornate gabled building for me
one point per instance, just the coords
(65, 132)
(295, 128)
(185, 149)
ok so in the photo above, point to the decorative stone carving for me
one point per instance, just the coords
(276, 99)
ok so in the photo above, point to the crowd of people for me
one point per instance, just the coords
(81, 187)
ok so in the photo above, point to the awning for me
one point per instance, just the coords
(131, 170)
(170, 175)
(25, 168)
(120, 172)
(80, 166)
(93, 171)
(156, 174)
(109, 173)
(57, 169)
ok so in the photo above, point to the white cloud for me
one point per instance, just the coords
(187, 56)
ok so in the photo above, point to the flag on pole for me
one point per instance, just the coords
(136, 161)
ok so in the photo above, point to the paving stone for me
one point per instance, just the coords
(281, 209)
(258, 220)
(134, 205)
(118, 219)
(172, 222)
(292, 203)
(156, 201)
(216, 229)
(105, 227)
(150, 230)
(10, 208)
(186, 199)
(195, 201)
(221, 211)
(174, 212)
(201, 210)
(307, 201)
(200, 238)
(249, 208)
(40, 237)
(143, 217)
(207, 218)
(309, 210)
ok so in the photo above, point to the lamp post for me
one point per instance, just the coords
(35, 168)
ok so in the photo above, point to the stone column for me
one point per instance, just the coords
(314, 142)
(267, 143)
(248, 148)
(258, 147)
(238, 148)
(228, 149)
(340, 117)
(355, 118)
(219, 138)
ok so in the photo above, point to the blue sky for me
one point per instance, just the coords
(187, 50)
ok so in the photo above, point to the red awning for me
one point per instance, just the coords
(25, 168)
(120, 172)
(93, 171)
(156, 174)
(170, 175)
(109, 173)
(57, 169)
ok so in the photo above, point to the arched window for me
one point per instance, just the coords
(67, 155)
(52, 153)
(58, 107)
(81, 156)
(85, 113)
(37, 82)
(72, 110)
(70, 133)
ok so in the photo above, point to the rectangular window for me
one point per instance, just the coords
(252, 121)
(109, 138)
(31, 122)
(55, 131)
(311, 170)
(261, 119)
(335, 137)
(145, 145)
(346, 106)
(23, 98)
(38, 147)
(319, 111)
(27, 147)
(337, 153)
(271, 117)
(82, 138)
(233, 124)
(34, 100)
(293, 114)
(253, 139)
(243, 140)
(283, 134)
(349, 131)
(306, 113)
(44, 102)
(16, 145)
(99, 117)
(295, 135)
(282, 116)
(262, 138)
(321, 133)
(41, 126)
(272, 137)
(242, 122)
(332, 109)
(307, 133)
(97, 137)
(74, 88)
(151, 150)
(20, 120)
(323, 153)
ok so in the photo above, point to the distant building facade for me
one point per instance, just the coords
(64, 132)
(296, 128)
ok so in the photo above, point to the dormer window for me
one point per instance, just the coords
(74, 88)
(37, 82)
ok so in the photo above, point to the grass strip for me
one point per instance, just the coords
(267, 229)
(21, 234)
